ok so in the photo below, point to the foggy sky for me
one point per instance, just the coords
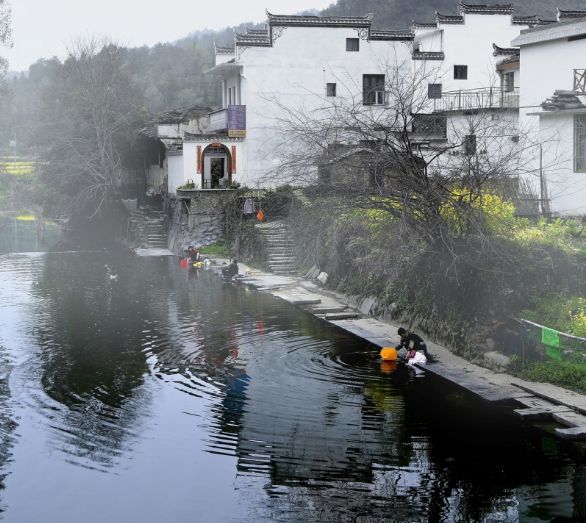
(45, 28)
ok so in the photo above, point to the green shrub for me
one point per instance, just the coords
(218, 248)
(561, 312)
(567, 374)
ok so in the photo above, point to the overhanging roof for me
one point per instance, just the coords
(557, 31)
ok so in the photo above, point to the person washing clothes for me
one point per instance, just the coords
(412, 343)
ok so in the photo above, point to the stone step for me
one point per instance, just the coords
(277, 263)
(329, 310)
(341, 315)
(282, 259)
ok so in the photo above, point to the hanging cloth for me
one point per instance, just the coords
(249, 206)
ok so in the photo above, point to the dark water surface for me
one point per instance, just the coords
(131, 391)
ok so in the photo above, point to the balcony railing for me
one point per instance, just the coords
(486, 98)
(219, 120)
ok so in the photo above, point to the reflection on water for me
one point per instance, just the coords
(128, 380)
(27, 234)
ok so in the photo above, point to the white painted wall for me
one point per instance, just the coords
(174, 172)
(469, 44)
(168, 130)
(567, 188)
(223, 58)
(294, 72)
(186, 168)
(546, 67)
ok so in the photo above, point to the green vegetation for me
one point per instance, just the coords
(570, 374)
(560, 312)
(187, 186)
(219, 249)
(16, 167)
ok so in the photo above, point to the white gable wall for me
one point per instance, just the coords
(566, 187)
(546, 67)
(294, 73)
(174, 172)
(468, 44)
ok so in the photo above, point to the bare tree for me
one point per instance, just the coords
(386, 149)
(5, 33)
(91, 113)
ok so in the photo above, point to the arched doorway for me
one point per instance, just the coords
(217, 167)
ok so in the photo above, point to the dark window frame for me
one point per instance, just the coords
(373, 89)
(580, 143)
(460, 72)
(352, 45)
(434, 91)
(508, 82)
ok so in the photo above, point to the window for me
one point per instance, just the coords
(330, 89)
(434, 91)
(373, 89)
(460, 72)
(580, 143)
(430, 124)
(352, 44)
(509, 82)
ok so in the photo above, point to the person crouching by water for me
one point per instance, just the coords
(231, 271)
(411, 343)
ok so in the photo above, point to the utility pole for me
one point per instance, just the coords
(543, 198)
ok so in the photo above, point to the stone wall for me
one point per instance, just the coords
(198, 220)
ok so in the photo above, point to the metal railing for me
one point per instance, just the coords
(485, 98)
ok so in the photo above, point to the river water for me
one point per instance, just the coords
(134, 391)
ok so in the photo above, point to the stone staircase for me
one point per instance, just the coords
(147, 228)
(279, 247)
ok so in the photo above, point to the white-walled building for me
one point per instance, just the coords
(472, 68)
(297, 63)
(467, 56)
(553, 110)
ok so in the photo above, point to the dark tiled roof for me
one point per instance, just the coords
(320, 21)
(423, 25)
(565, 15)
(448, 19)
(494, 9)
(376, 34)
(177, 116)
(562, 100)
(531, 21)
(509, 51)
(428, 55)
(223, 50)
(252, 40)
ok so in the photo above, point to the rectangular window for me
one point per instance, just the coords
(509, 82)
(330, 89)
(352, 44)
(373, 89)
(460, 72)
(434, 91)
(580, 143)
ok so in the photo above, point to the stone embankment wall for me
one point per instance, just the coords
(198, 219)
